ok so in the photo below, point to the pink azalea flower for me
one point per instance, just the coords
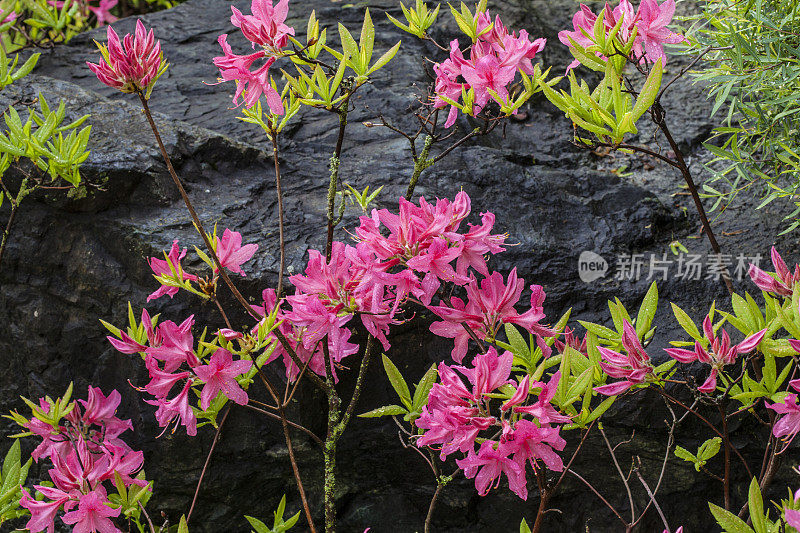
(529, 442)
(634, 367)
(99, 410)
(161, 382)
(92, 514)
(161, 267)
(265, 27)
(489, 464)
(489, 372)
(788, 425)
(488, 73)
(250, 83)
(782, 283)
(178, 407)
(478, 242)
(177, 346)
(719, 353)
(43, 513)
(490, 304)
(792, 518)
(541, 410)
(125, 343)
(231, 253)
(652, 32)
(220, 375)
(133, 65)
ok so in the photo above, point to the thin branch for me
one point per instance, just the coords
(619, 470)
(594, 490)
(293, 424)
(205, 465)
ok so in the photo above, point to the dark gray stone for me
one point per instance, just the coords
(71, 263)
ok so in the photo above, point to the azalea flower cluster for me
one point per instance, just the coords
(169, 271)
(718, 353)
(494, 60)
(132, 65)
(265, 28)
(458, 415)
(410, 253)
(647, 26)
(86, 451)
(169, 357)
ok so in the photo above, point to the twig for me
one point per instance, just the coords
(274, 138)
(208, 460)
(619, 470)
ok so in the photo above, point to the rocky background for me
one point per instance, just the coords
(72, 262)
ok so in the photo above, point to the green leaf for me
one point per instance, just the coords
(424, 388)
(709, 449)
(686, 455)
(258, 525)
(649, 92)
(183, 527)
(385, 58)
(397, 381)
(729, 522)
(647, 311)
(686, 323)
(755, 504)
(386, 410)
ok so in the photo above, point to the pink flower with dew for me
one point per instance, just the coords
(486, 74)
(132, 65)
(220, 375)
(490, 304)
(43, 512)
(720, 352)
(542, 410)
(447, 84)
(177, 346)
(229, 334)
(782, 282)
(634, 367)
(478, 243)
(92, 514)
(339, 345)
(251, 84)
(178, 407)
(487, 467)
(652, 32)
(165, 267)
(489, 372)
(788, 425)
(161, 382)
(529, 442)
(231, 253)
(100, 410)
(266, 26)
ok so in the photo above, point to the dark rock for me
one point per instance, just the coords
(72, 263)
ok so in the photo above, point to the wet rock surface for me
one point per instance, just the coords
(70, 263)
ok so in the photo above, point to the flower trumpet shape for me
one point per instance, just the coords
(719, 352)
